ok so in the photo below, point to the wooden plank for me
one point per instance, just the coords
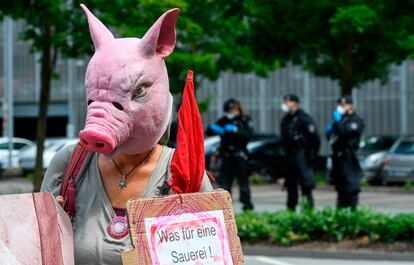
(34, 230)
(19, 231)
(129, 257)
(140, 209)
(46, 214)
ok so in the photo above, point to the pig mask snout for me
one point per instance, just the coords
(107, 126)
(97, 142)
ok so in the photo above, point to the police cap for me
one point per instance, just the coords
(229, 104)
(291, 97)
(345, 100)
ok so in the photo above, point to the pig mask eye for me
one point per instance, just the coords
(140, 91)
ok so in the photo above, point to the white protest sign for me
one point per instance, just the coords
(191, 238)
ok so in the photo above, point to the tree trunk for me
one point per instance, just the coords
(347, 70)
(46, 79)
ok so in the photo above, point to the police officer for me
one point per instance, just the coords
(301, 144)
(344, 136)
(235, 130)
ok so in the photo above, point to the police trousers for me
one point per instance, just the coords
(235, 166)
(346, 175)
(299, 174)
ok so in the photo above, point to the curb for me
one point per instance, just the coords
(383, 189)
(275, 251)
(328, 187)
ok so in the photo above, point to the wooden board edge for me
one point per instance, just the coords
(129, 257)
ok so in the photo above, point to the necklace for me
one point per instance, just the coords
(122, 181)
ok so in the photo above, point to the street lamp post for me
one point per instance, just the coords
(8, 81)
(71, 87)
(403, 99)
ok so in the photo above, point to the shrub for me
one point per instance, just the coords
(286, 227)
(252, 227)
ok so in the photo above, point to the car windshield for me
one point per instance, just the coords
(376, 143)
(32, 148)
(211, 140)
(16, 145)
(253, 146)
(404, 147)
(4, 146)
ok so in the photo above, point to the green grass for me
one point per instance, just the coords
(408, 185)
(30, 176)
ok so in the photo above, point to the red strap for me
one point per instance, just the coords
(211, 176)
(68, 186)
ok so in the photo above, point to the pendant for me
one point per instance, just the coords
(118, 227)
(122, 183)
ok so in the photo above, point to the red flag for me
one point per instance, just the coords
(187, 165)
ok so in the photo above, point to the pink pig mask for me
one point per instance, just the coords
(127, 88)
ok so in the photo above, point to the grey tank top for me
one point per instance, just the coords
(93, 244)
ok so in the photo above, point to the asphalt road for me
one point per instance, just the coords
(263, 260)
(272, 198)
(385, 199)
(15, 185)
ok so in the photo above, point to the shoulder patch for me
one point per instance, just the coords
(311, 128)
(250, 123)
(354, 125)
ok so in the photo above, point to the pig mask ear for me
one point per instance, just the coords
(99, 33)
(160, 38)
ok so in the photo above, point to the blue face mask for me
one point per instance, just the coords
(340, 110)
(230, 116)
(284, 108)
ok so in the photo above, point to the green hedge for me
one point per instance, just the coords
(286, 227)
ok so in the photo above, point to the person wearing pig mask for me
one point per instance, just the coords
(129, 109)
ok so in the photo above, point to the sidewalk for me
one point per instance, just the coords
(390, 200)
(272, 198)
(15, 185)
(275, 251)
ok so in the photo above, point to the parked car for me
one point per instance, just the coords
(399, 162)
(371, 155)
(265, 157)
(211, 145)
(18, 145)
(27, 158)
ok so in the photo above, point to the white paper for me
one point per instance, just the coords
(191, 238)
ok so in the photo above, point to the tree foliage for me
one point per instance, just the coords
(47, 28)
(208, 31)
(208, 34)
(352, 41)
